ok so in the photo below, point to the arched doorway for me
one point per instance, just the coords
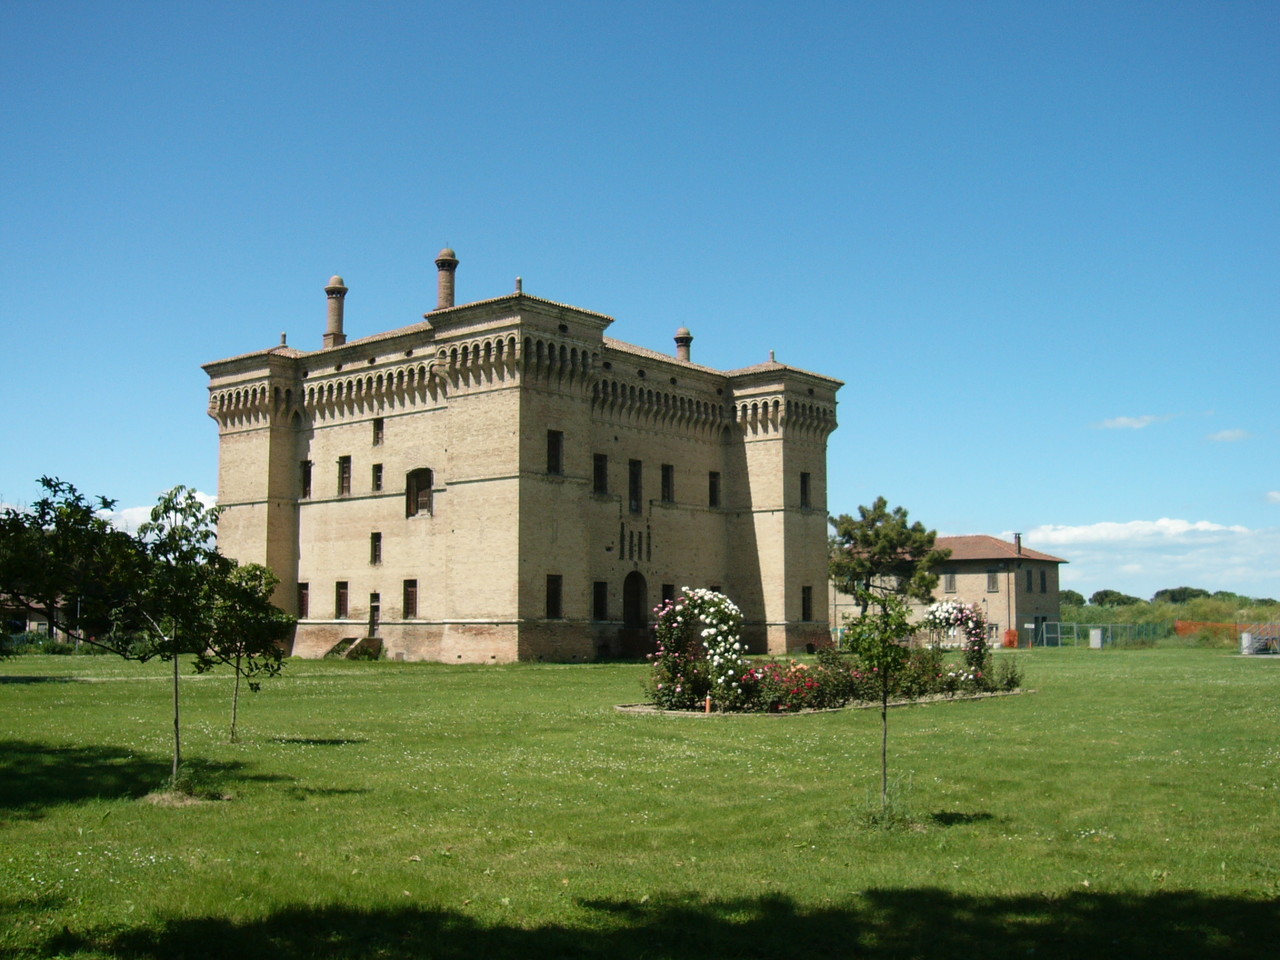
(634, 639)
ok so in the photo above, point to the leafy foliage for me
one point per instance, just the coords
(700, 652)
(1113, 598)
(881, 555)
(1178, 594)
(1071, 597)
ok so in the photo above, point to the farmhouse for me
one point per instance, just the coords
(502, 481)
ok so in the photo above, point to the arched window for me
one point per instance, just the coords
(417, 492)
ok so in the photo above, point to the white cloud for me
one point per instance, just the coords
(1132, 423)
(1273, 496)
(1228, 436)
(129, 518)
(1139, 557)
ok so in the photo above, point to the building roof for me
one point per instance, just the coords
(982, 547)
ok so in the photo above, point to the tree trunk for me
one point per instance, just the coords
(884, 744)
(235, 702)
(177, 737)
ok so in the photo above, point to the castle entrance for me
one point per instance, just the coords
(634, 637)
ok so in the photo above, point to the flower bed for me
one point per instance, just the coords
(701, 661)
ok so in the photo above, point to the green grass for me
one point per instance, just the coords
(1127, 808)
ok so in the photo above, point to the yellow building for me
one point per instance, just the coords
(502, 481)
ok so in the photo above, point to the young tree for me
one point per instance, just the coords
(880, 556)
(879, 640)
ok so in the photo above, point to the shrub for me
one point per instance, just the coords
(700, 652)
(1006, 674)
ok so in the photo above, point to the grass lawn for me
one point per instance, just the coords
(1128, 808)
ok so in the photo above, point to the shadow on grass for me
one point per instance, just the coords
(950, 818)
(36, 776)
(879, 924)
(316, 741)
(18, 679)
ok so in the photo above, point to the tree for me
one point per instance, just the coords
(1112, 598)
(880, 556)
(879, 640)
(1071, 597)
(1180, 594)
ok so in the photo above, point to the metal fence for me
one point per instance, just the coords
(1099, 634)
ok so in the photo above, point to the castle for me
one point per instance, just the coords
(502, 481)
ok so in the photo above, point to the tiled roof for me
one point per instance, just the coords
(982, 547)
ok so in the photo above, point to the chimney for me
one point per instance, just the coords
(1017, 543)
(336, 292)
(446, 264)
(683, 340)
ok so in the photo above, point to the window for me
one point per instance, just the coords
(555, 452)
(304, 601)
(344, 476)
(806, 603)
(635, 484)
(375, 548)
(410, 602)
(668, 483)
(716, 588)
(304, 472)
(417, 492)
(805, 501)
(340, 608)
(668, 593)
(375, 613)
(993, 582)
(554, 584)
(600, 600)
(713, 489)
(948, 583)
(377, 477)
(379, 427)
(1044, 582)
(600, 473)
(1028, 580)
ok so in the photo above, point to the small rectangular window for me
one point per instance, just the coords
(600, 473)
(1029, 581)
(377, 477)
(304, 601)
(805, 501)
(949, 583)
(1044, 581)
(806, 603)
(417, 492)
(600, 600)
(375, 548)
(716, 588)
(379, 427)
(668, 483)
(375, 613)
(555, 452)
(635, 485)
(554, 585)
(304, 472)
(713, 489)
(993, 582)
(344, 476)
(668, 592)
(410, 603)
(340, 608)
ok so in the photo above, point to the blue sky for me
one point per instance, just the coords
(1038, 241)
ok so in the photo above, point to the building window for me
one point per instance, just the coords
(304, 601)
(410, 603)
(806, 603)
(1044, 581)
(713, 489)
(668, 593)
(304, 472)
(375, 548)
(805, 501)
(379, 426)
(600, 473)
(377, 477)
(1029, 575)
(600, 600)
(993, 582)
(554, 585)
(716, 588)
(948, 583)
(344, 476)
(668, 483)
(635, 484)
(555, 452)
(340, 608)
(375, 613)
(417, 492)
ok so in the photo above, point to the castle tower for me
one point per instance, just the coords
(337, 293)
(684, 340)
